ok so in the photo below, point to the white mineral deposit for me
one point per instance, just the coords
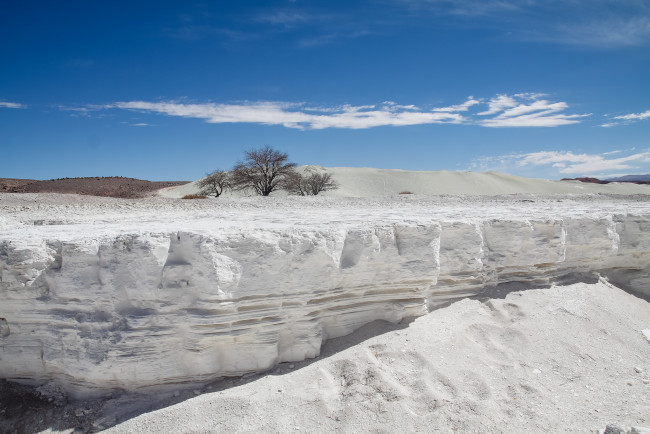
(296, 314)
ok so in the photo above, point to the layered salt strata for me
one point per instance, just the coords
(100, 294)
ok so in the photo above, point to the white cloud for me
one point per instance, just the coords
(597, 163)
(604, 32)
(290, 115)
(527, 110)
(566, 162)
(285, 17)
(89, 110)
(598, 24)
(399, 106)
(517, 111)
(634, 116)
(460, 107)
(552, 157)
(330, 37)
(7, 104)
(470, 8)
(520, 110)
(627, 119)
(545, 118)
(498, 104)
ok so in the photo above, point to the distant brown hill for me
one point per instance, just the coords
(601, 181)
(110, 186)
(585, 179)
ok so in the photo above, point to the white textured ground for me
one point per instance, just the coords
(562, 359)
(102, 293)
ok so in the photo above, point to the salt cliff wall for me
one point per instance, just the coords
(149, 309)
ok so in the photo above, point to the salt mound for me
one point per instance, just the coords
(559, 359)
(369, 182)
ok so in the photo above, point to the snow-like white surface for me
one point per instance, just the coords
(369, 182)
(555, 360)
(111, 293)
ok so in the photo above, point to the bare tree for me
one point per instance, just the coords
(295, 183)
(321, 181)
(311, 182)
(264, 170)
(215, 183)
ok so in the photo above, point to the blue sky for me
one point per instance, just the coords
(171, 90)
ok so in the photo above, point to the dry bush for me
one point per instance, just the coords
(405, 192)
(194, 196)
(215, 183)
(311, 182)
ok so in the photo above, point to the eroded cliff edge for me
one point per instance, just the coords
(98, 300)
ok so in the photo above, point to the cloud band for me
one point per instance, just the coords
(519, 110)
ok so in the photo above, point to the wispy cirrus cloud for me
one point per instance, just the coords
(568, 163)
(459, 107)
(594, 24)
(330, 37)
(597, 24)
(604, 32)
(290, 17)
(292, 115)
(310, 25)
(284, 17)
(498, 104)
(520, 110)
(627, 119)
(527, 110)
(635, 116)
(87, 111)
(469, 8)
(15, 105)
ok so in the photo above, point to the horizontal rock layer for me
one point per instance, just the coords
(140, 308)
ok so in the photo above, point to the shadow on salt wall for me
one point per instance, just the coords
(23, 409)
(502, 290)
(634, 282)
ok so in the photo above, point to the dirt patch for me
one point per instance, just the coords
(112, 186)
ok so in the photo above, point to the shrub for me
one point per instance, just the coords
(311, 182)
(405, 192)
(215, 183)
(194, 196)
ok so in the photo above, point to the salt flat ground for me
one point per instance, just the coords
(568, 358)
(69, 217)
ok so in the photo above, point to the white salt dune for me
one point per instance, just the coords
(369, 182)
(561, 359)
